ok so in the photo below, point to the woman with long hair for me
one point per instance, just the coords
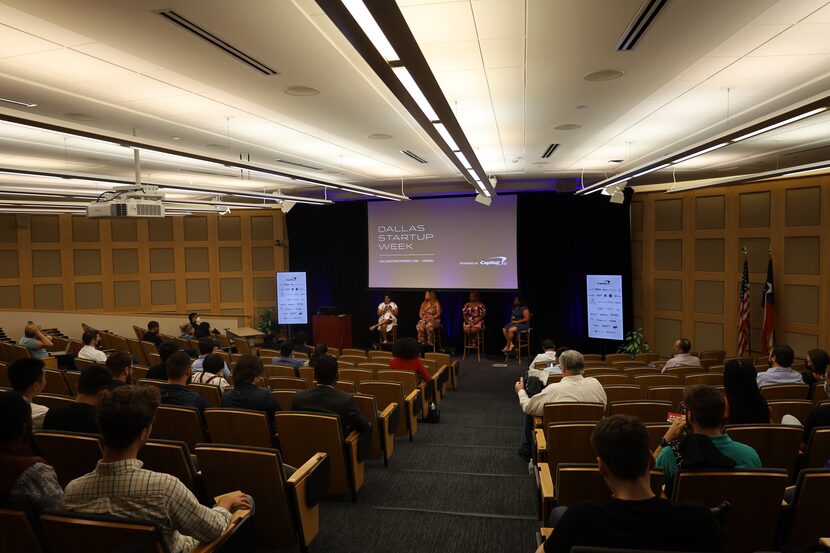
(744, 402)
(473, 314)
(406, 356)
(519, 322)
(430, 320)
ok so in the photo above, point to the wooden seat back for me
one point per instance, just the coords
(602, 371)
(307, 374)
(645, 381)
(356, 359)
(210, 392)
(612, 379)
(379, 355)
(71, 454)
(53, 401)
(373, 366)
(170, 457)
(621, 392)
(612, 357)
(683, 370)
(647, 357)
(568, 411)
(408, 378)
(238, 427)
(56, 383)
(622, 365)
(818, 448)
(387, 393)
(570, 442)
(576, 482)
(138, 352)
(808, 521)
(346, 386)
(17, 533)
(356, 375)
(785, 391)
(656, 431)
(776, 444)
(631, 372)
(179, 423)
(285, 398)
(799, 408)
(754, 496)
(63, 532)
(707, 379)
(674, 394)
(81, 364)
(286, 383)
(645, 410)
(277, 371)
(353, 351)
(592, 356)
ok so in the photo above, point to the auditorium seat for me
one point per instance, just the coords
(612, 379)
(646, 411)
(345, 386)
(646, 381)
(53, 401)
(716, 369)
(621, 392)
(591, 364)
(799, 408)
(307, 374)
(151, 382)
(718, 354)
(597, 371)
(647, 357)
(808, 520)
(239, 427)
(631, 372)
(17, 532)
(56, 383)
(818, 448)
(137, 351)
(71, 454)
(287, 510)
(286, 383)
(785, 391)
(210, 392)
(445, 360)
(304, 434)
(566, 442)
(4, 376)
(571, 411)
(266, 353)
(622, 365)
(776, 444)
(171, 457)
(682, 371)
(353, 351)
(387, 393)
(591, 357)
(384, 425)
(373, 366)
(707, 364)
(179, 423)
(241, 346)
(334, 352)
(153, 359)
(302, 356)
(674, 394)
(409, 381)
(274, 371)
(379, 355)
(656, 431)
(81, 364)
(754, 496)
(356, 375)
(612, 357)
(138, 372)
(346, 364)
(352, 359)
(285, 398)
(553, 379)
(708, 379)
(148, 348)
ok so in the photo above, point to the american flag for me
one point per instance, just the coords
(768, 303)
(743, 314)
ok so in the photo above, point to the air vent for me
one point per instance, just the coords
(640, 24)
(119, 210)
(295, 164)
(194, 29)
(416, 157)
(550, 150)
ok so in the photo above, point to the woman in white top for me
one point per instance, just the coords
(387, 317)
(211, 373)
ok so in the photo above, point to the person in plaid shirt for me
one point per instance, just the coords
(120, 487)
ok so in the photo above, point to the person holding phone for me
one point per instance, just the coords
(387, 318)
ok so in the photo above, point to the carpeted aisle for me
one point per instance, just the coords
(460, 486)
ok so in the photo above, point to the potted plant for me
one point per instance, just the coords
(634, 343)
(267, 322)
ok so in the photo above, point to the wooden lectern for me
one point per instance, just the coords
(333, 330)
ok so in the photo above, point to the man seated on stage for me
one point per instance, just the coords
(681, 357)
(780, 371)
(93, 384)
(324, 398)
(548, 356)
(286, 349)
(118, 486)
(572, 387)
(635, 518)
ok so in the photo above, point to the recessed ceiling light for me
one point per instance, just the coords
(540, 163)
(615, 161)
(380, 136)
(298, 90)
(77, 116)
(603, 75)
(581, 106)
(175, 138)
(18, 103)
(217, 146)
(567, 127)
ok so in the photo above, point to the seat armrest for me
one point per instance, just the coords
(307, 486)
(238, 518)
(545, 482)
(389, 419)
(388, 411)
(306, 469)
(541, 441)
(537, 422)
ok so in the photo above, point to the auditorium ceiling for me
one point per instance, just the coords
(516, 73)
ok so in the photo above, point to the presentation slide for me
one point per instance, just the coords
(443, 243)
(605, 307)
(291, 299)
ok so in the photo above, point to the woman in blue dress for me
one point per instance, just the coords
(519, 321)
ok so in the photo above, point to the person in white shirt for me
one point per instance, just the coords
(211, 373)
(572, 388)
(28, 379)
(90, 351)
(681, 358)
(549, 357)
(387, 317)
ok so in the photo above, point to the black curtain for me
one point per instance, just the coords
(561, 238)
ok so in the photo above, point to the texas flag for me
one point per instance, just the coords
(768, 303)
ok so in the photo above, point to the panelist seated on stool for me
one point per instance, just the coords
(387, 319)
(519, 322)
(473, 314)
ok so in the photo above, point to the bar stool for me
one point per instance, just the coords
(477, 343)
(523, 339)
(435, 334)
(393, 333)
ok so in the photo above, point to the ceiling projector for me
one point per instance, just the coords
(127, 202)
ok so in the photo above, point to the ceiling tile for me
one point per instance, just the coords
(503, 52)
(499, 18)
(444, 22)
(452, 56)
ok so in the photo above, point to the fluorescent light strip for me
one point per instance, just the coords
(647, 171)
(445, 134)
(700, 153)
(17, 103)
(780, 124)
(463, 159)
(370, 27)
(412, 87)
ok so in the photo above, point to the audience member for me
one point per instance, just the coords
(246, 394)
(159, 372)
(211, 373)
(319, 351)
(548, 355)
(682, 357)
(270, 341)
(572, 387)
(744, 402)
(704, 418)
(816, 370)
(35, 341)
(152, 334)
(324, 398)
(120, 365)
(28, 378)
(120, 487)
(175, 391)
(90, 351)
(780, 372)
(187, 332)
(202, 330)
(286, 349)
(93, 385)
(406, 356)
(300, 345)
(635, 518)
(25, 479)
(206, 347)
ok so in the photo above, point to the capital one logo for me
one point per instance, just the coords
(498, 261)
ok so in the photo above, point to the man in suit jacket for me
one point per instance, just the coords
(324, 398)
